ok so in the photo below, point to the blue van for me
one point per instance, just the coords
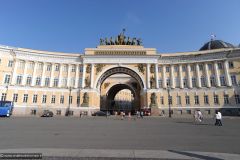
(6, 108)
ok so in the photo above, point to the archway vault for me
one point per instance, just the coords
(117, 70)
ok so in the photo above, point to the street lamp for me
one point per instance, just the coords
(169, 106)
(69, 103)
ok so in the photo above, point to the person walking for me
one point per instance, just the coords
(218, 117)
(141, 114)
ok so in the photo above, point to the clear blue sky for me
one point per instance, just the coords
(72, 25)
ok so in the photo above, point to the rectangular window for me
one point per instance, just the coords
(177, 82)
(47, 82)
(57, 67)
(38, 81)
(194, 82)
(35, 98)
(237, 99)
(78, 100)
(70, 99)
(15, 97)
(210, 66)
(178, 100)
(4, 96)
(29, 81)
(176, 68)
(21, 65)
(61, 99)
(222, 81)
(184, 68)
(212, 81)
(162, 100)
(206, 99)
(25, 98)
(10, 63)
(226, 99)
(19, 80)
(169, 99)
(192, 68)
(65, 68)
(81, 69)
(234, 80)
(49, 67)
(7, 79)
(187, 98)
(196, 100)
(220, 66)
(55, 82)
(159, 69)
(31, 65)
(201, 67)
(160, 83)
(230, 64)
(44, 98)
(168, 82)
(167, 69)
(73, 69)
(203, 81)
(216, 101)
(40, 66)
(53, 99)
(185, 83)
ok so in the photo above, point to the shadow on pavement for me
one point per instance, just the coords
(193, 155)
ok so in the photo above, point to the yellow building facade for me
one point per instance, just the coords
(178, 82)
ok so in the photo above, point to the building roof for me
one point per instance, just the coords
(216, 44)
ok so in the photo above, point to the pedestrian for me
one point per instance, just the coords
(218, 117)
(200, 116)
(129, 115)
(80, 114)
(141, 114)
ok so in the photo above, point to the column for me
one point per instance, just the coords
(83, 76)
(148, 76)
(14, 71)
(180, 76)
(198, 76)
(68, 75)
(172, 77)
(77, 76)
(43, 74)
(207, 75)
(92, 75)
(156, 76)
(24, 74)
(216, 74)
(164, 77)
(227, 75)
(189, 76)
(60, 75)
(51, 75)
(34, 74)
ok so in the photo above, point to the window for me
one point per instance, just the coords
(7, 79)
(19, 79)
(70, 99)
(78, 100)
(47, 82)
(216, 101)
(64, 82)
(175, 68)
(80, 82)
(10, 63)
(212, 81)
(160, 83)
(81, 69)
(55, 82)
(178, 100)
(29, 81)
(201, 67)
(210, 67)
(194, 82)
(57, 67)
(192, 68)
(35, 98)
(184, 68)
(234, 80)
(168, 82)
(226, 99)
(65, 68)
(185, 84)
(230, 64)
(40, 66)
(237, 99)
(187, 98)
(49, 67)
(222, 81)
(196, 100)
(73, 68)
(25, 98)
(53, 99)
(167, 69)
(169, 99)
(38, 81)
(220, 66)
(44, 98)
(203, 81)
(159, 69)
(162, 100)
(206, 99)
(177, 82)
(15, 97)
(21, 64)
(61, 99)
(31, 65)
(4, 96)
(72, 82)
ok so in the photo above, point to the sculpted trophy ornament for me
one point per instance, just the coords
(153, 100)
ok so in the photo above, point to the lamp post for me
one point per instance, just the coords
(169, 106)
(69, 103)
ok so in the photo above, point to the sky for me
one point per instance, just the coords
(73, 25)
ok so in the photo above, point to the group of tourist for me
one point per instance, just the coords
(198, 117)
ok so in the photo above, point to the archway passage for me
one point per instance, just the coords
(112, 105)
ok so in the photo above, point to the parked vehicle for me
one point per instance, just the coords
(6, 108)
(99, 113)
(47, 113)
